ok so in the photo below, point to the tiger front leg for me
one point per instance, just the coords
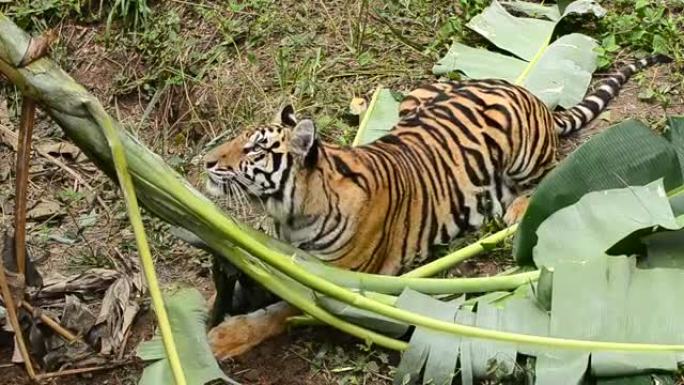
(239, 334)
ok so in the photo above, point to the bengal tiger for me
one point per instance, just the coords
(460, 152)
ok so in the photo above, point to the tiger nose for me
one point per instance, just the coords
(210, 163)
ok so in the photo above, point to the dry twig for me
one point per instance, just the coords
(28, 115)
(69, 372)
(69, 336)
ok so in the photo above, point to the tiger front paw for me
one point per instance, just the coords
(239, 334)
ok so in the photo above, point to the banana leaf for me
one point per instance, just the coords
(665, 249)
(600, 220)
(675, 134)
(379, 119)
(606, 306)
(364, 318)
(187, 314)
(557, 72)
(627, 154)
(591, 295)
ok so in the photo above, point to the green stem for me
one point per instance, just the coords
(288, 266)
(521, 78)
(303, 320)
(126, 183)
(395, 285)
(366, 117)
(460, 255)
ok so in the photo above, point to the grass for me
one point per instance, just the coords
(181, 73)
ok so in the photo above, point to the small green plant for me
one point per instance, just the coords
(133, 13)
(69, 196)
(641, 25)
(38, 15)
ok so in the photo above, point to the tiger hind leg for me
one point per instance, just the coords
(239, 334)
(516, 210)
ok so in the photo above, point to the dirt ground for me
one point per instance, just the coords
(202, 71)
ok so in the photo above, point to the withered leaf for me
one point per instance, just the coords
(64, 150)
(91, 282)
(76, 316)
(44, 210)
(38, 47)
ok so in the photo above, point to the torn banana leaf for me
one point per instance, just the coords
(616, 301)
(557, 72)
(435, 351)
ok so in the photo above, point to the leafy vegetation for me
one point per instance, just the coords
(188, 315)
(558, 72)
(658, 29)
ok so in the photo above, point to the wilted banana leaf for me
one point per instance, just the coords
(435, 351)
(187, 314)
(382, 114)
(627, 154)
(558, 73)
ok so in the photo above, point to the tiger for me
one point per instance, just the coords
(460, 153)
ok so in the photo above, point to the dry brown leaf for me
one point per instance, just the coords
(38, 47)
(44, 210)
(89, 282)
(76, 316)
(111, 317)
(65, 150)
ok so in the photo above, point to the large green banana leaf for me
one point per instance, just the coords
(627, 154)
(595, 225)
(557, 72)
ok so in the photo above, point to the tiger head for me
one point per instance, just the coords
(262, 160)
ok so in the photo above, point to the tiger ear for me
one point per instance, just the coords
(303, 138)
(286, 116)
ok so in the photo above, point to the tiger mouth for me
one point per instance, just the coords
(215, 188)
